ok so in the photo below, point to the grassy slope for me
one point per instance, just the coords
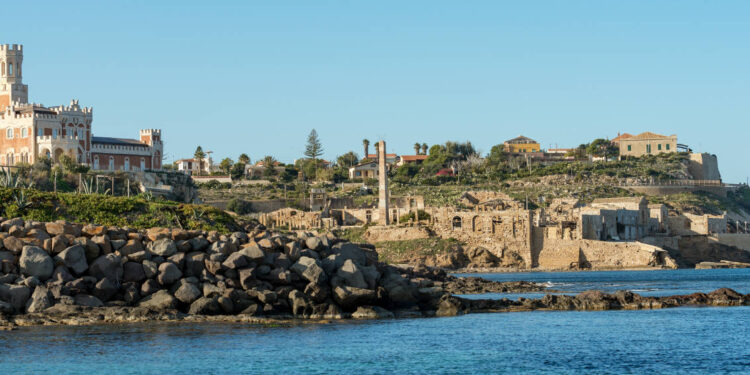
(112, 211)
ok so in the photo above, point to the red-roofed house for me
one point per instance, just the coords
(411, 159)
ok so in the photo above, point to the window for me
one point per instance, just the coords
(111, 163)
(24, 132)
(9, 134)
(54, 133)
(10, 69)
(39, 132)
(80, 133)
(658, 147)
(648, 149)
(630, 148)
(96, 162)
(143, 164)
(126, 166)
(667, 146)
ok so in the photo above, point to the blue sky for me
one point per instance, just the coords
(257, 76)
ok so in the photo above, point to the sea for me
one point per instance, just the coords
(685, 340)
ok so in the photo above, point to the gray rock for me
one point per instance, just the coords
(299, 302)
(194, 263)
(91, 248)
(16, 295)
(350, 298)
(87, 300)
(310, 269)
(161, 300)
(226, 304)
(314, 243)
(131, 247)
(372, 312)
(109, 266)
(139, 256)
(400, 291)
(247, 277)
(133, 271)
(254, 253)
(199, 243)
(168, 273)
(74, 258)
(150, 268)
(163, 247)
(6, 308)
(149, 287)
(40, 300)
(211, 290)
(61, 275)
(34, 261)
(318, 293)
(205, 306)
(187, 293)
(351, 275)
(105, 289)
(117, 244)
(235, 261)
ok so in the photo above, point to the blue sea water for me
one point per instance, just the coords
(686, 340)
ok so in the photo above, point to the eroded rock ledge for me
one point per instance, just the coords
(592, 301)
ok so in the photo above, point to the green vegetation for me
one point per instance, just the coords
(136, 212)
(402, 251)
(421, 214)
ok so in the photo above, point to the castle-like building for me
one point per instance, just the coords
(29, 131)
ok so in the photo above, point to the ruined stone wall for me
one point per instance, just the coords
(738, 240)
(391, 233)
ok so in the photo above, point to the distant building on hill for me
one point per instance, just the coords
(646, 144)
(521, 145)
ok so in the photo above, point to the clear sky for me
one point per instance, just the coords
(257, 76)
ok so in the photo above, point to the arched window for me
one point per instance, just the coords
(80, 133)
(54, 133)
(143, 164)
(9, 133)
(456, 223)
(96, 162)
(3, 68)
(24, 132)
(111, 163)
(126, 166)
(10, 69)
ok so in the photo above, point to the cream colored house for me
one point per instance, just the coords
(647, 144)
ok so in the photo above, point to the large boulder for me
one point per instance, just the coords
(400, 291)
(13, 244)
(164, 247)
(133, 271)
(161, 300)
(109, 266)
(352, 276)
(105, 289)
(187, 293)
(253, 253)
(168, 273)
(350, 298)
(34, 261)
(41, 299)
(235, 261)
(74, 258)
(87, 300)
(16, 295)
(131, 247)
(299, 302)
(206, 306)
(310, 269)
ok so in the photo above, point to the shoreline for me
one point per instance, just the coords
(449, 306)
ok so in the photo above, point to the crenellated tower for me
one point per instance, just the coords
(12, 89)
(152, 137)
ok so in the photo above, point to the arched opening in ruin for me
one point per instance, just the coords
(368, 216)
(476, 226)
(456, 223)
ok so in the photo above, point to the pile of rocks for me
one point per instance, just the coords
(46, 267)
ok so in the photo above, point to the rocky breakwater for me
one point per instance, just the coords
(64, 273)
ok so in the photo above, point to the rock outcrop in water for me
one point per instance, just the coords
(593, 300)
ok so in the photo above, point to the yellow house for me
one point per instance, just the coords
(647, 144)
(521, 145)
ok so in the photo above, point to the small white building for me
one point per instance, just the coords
(191, 166)
(364, 170)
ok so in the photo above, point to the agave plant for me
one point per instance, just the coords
(9, 179)
(89, 187)
(198, 214)
(21, 201)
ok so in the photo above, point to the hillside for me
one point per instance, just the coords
(136, 212)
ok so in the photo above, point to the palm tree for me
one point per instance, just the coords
(366, 143)
(424, 148)
(417, 146)
(377, 153)
(244, 159)
(199, 156)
